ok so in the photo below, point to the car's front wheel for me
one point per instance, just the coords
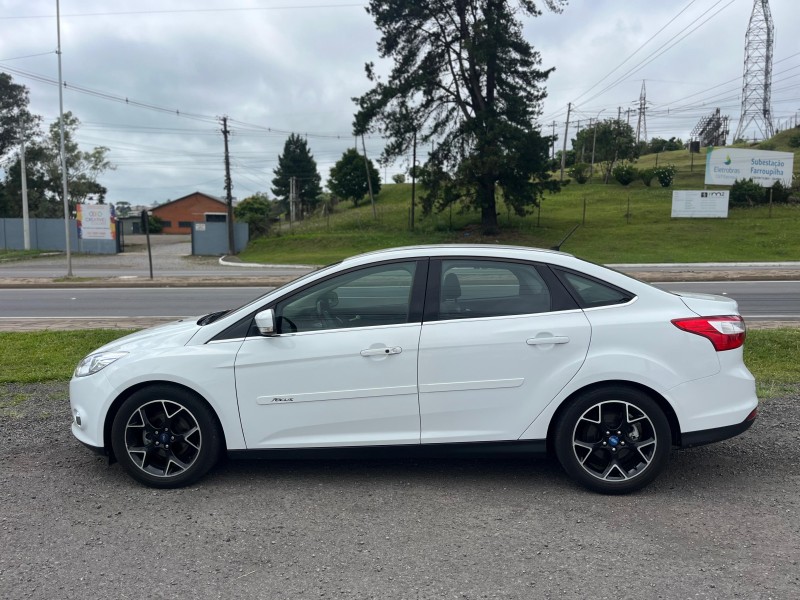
(613, 440)
(165, 437)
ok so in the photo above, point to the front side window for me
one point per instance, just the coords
(379, 295)
(485, 288)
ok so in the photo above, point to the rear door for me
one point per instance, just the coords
(499, 341)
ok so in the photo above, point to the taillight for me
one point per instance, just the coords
(726, 333)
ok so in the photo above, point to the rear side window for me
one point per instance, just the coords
(592, 293)
(483, 288)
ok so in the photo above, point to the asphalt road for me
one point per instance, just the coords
(723, 521)
(758, 300)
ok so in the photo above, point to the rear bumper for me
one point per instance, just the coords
(717, 434)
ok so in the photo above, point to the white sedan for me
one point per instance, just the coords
(428, 350)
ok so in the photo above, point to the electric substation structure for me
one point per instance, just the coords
(756, 115)
(641, 125)
(712, 130)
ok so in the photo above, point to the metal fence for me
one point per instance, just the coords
(48, 234)
(211, 239)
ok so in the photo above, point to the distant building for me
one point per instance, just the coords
(179, 216)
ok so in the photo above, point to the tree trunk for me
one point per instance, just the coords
(486, 199)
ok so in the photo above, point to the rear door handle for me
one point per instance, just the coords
(546, 341)
(381, 351)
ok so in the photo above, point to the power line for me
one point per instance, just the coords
(186, 10)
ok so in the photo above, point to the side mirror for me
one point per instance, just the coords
(265, 321)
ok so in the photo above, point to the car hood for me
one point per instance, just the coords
(708, 305)
(177, 333)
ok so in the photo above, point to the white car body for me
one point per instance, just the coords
(498, 378)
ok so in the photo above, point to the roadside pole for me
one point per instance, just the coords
(146, 224)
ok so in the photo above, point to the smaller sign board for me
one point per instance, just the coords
(700, 204)
(199, 226)
(96, 222)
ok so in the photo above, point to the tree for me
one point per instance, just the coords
(661, 145)
(43, 166)
(612, 140)
(399, 178)
(297, 161)
(257, 211)
(464, 76)
(14, 115)
(348, 177)
(122, 208)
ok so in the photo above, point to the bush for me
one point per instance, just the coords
(746, 192)
(646, 175)
(794, 141)
(781, 194)
(625, 173)
(665, 175)
(580, 173)
(399, 178)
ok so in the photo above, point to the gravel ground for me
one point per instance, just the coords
(722, 522)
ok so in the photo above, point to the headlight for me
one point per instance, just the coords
(96, 362)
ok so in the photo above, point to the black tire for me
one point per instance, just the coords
(613, 440)
(165, 437)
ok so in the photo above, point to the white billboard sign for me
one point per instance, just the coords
(95, 222)
(725, 165)
(700, 204)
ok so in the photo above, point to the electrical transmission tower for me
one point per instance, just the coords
(757, 80)
(641, 125)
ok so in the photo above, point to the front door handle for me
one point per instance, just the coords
(381, 351)
(546, 341)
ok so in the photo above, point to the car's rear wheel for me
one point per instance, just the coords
(165, 437)
(613, 440)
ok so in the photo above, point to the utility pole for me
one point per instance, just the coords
(369, 179)
(64, 190)
(26, 223)
(292, 199)
(228, 186)
(566, 134)
(413, 178)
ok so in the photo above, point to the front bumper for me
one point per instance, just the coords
(90, 398)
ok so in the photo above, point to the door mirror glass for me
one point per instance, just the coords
(265, 322)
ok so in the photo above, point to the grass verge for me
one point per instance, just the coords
(770, 354)
(12, 255)
(39, 356)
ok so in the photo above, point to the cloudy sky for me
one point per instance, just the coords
(280, 66)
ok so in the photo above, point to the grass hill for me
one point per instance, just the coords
(617, 224)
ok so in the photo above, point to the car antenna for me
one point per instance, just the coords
(557, 247)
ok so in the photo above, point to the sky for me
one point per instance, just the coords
(150, 79)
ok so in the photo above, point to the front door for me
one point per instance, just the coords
(343, 369)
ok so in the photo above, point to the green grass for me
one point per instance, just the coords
(12, 255)
(770, 354)
(621, 225)
(39, 356)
